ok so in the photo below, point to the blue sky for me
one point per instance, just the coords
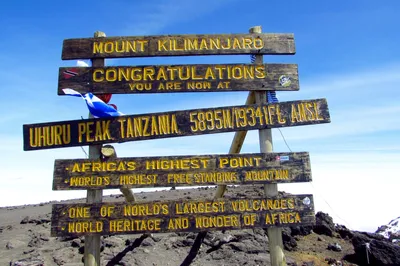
(347, 52)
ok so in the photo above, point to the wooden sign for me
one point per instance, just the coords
(174, 124)
(173, 45)
(179, 78)
(236, 169)
(180, 216)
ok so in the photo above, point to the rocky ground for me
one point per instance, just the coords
(25, 240)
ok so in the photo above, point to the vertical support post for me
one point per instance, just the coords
(270, 190)
(236, 145)
(92, 243)
(109, 152)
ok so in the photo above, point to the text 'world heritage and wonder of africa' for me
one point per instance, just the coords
(170, 216)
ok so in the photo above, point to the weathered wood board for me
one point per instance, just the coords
(174, 124)
(179, 78)
(180, 216)
(236, 169)
(177, 45)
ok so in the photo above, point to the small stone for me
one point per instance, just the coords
(25, 220)
(28, 251)
(145, 250)
(330, 261)
(335, 247)
(75, 243)
(238, 246)
(44, 238)
(81, 250)
(9, 245)
(156, 238)
(148, 242)
(188, 242)
(320, 239)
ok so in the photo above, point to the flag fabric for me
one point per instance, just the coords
(69, 73)
(271, 95)
(96, 106)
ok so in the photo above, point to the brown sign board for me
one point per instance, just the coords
(179, 78)
(177, 45)
(180, 215)
(202, 170)
(174, 124)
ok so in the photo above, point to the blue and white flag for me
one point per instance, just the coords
(271, 97)
(97, 107)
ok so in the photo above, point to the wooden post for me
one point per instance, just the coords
(92, 243)
(109, 152)
(236, 145)
(271, 190)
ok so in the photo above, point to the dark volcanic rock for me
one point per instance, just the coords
(374, 236)
(113, 241)
(380, 252)
(335, 247)
(301, 230)
(344, 232)
(324, 224)
(25, 220)
(37, 221)
(76, 243)
(289, 243)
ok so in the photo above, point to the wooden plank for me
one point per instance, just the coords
(174, 124)
(180, 216)
(178, 45)
(179, 78)
(236, 169)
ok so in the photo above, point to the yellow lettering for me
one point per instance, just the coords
(79, 212)
(98, 48)
(98, 75)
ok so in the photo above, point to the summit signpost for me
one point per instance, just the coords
(179, 78)
(178, 45)
(180, 216)
(238, 169)
(174, 124)
(101, 171)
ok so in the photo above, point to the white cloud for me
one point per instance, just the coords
(82, 63)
